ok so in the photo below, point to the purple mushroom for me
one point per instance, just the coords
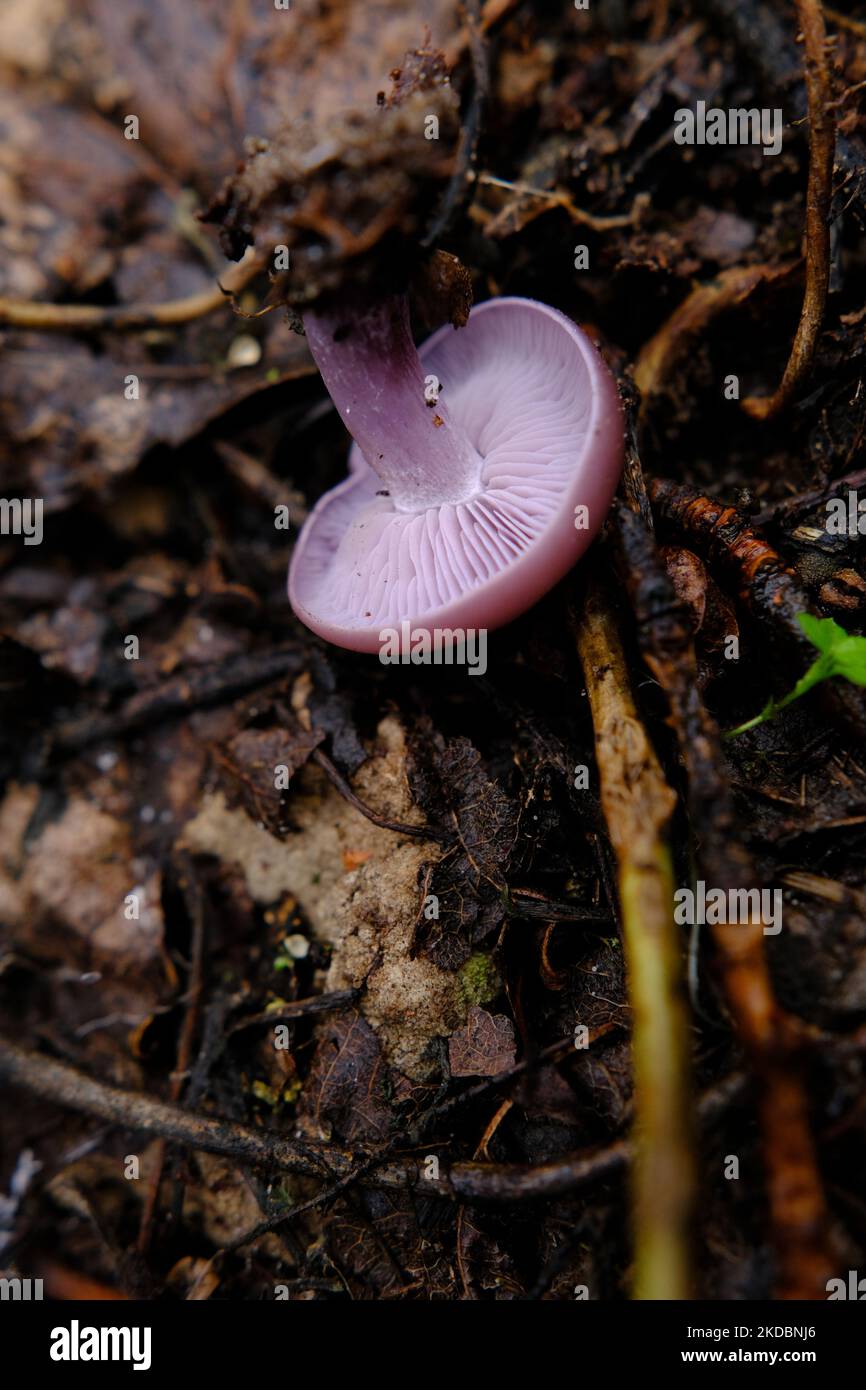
(483, 466)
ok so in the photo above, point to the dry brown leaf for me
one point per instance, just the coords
(484, 1047)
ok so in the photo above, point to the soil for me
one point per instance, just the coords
(415, 978)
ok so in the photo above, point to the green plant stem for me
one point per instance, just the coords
(819, 670)
(638, 804)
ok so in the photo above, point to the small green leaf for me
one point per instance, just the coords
(841, 655)
(849, 659)
(823, 633)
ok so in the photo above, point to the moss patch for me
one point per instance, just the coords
(478, 980)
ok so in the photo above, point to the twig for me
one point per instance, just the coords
(562, 200)
(633, 484)
(789, 508)
(258, 480)
(822, 142)
(493, 12)
(765, 585)
(638, 804)
(654, 368)
(337, 780)
(211, 685)
(412, 1139)
(797, 1211)
(77, 318)
(482, 1182)
(462, 178)
(846, 21)
(192, 893)
(763, 36)
(481, 1151)
(298, 1008)
(533, 906)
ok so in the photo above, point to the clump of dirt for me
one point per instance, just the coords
(359, 887)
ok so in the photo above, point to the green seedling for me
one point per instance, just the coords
(840, 654)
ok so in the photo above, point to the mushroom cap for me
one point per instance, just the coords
(541, 407)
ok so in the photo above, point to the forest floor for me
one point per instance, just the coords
(385, 1033)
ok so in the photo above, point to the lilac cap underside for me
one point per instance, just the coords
(536, 400)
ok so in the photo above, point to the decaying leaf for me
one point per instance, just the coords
(348, 1092)
(467, 883)
(259, 763)
(484, 1046)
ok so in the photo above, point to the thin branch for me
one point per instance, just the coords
(562, 200)
(846, 21)
(638, 804)
(411, 1140)
(764, 38)
(789, 508)
(210, 685)
(798, 1214)
(819, 192)
(660, 356)
(530, 905)
(80, 318)
(479, 1182)
(482, 1182)
(493, 13)
(765, 585)
(192, 892)
(463, 174)
(338, 781)
(297, 1009)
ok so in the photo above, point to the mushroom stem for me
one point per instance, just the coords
(374, 376)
